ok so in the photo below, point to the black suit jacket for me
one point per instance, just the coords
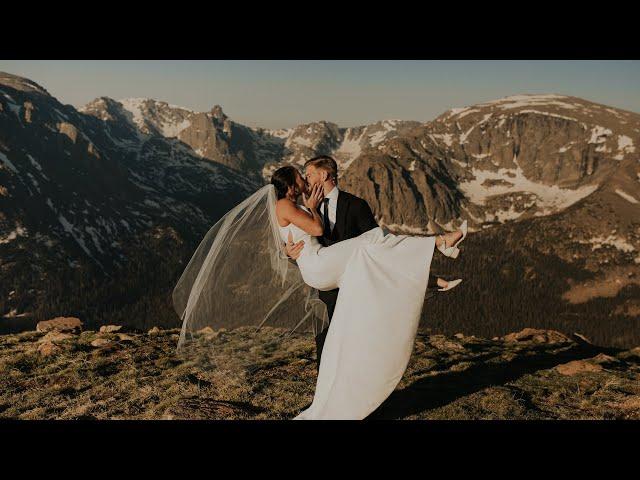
(353, 218)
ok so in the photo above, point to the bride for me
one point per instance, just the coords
(382, 280)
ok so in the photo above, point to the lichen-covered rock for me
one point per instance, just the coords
(537, 336)
(110, 328)
(578, 366)
(61, 324)
(47, 349)
(100, 342)
(56, 336)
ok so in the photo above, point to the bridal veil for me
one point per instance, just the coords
(239, 276)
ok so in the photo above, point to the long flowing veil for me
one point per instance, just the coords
(239, 276)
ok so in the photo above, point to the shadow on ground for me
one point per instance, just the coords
(428, 393)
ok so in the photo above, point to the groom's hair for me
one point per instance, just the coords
(326, 163)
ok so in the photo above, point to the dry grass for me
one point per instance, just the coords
(239, 375)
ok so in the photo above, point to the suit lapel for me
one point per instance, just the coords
(339, 230)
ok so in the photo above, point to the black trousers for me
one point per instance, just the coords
(329, 298)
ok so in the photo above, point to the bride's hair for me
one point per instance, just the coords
(282, 179)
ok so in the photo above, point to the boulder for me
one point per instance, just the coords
(110, 328)
(153, 331)
(443, 343)
(537, 336)
(206, 331)
(578, 366)
(47, 349)
(55, 336)
(60, 324)
(100, 342)
(603, 359)
(123, 337)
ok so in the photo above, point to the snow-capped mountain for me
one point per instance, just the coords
(210, 135)
(256, 152)
(326, 138)
(105, 185)
(519, 157)
(513, 158)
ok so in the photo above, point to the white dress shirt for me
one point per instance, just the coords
(333, 206)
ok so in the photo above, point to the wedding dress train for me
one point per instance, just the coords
(382, 280)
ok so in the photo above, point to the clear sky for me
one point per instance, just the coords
(281, 94)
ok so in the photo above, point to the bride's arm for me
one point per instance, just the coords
(310, 222)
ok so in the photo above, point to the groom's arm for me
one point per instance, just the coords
(365, 219)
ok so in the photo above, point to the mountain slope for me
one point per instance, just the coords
(101, 208)
(519, 157)
(83, 192)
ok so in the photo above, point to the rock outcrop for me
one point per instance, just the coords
(60, 324)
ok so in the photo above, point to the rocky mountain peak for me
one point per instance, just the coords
(217, 113)
(21, 83)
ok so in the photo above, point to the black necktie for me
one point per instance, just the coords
(325, 219)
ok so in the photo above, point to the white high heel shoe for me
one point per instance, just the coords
(453, 250)
(451, 284)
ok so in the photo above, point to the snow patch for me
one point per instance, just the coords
(612, 240)
(94, 236)
(462, 112)
(170, 129)
(68, 227)
(447, 138)
(547, 114)
(598, 134)
(625, 145)
(300, 141)
(134, 106)
(517, 101)
(550, 197)
(463, 137)
(566, 147)
(626, 196)
(7, 163)
(350, 148)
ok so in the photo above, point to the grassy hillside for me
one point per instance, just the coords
(239, 375)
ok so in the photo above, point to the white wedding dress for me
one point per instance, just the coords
(382, 280)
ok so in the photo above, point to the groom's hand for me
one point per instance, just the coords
(293, 250)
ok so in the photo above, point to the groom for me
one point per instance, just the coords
(344, 216)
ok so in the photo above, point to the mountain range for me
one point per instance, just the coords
(113, 197)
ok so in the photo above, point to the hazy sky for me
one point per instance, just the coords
(280, 94)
